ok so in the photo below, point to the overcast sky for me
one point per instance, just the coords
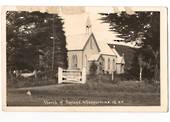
(75, 18)
(75, 21)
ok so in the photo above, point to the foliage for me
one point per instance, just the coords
(143, 28)
(93, 68)
(34, 34)
(129, 54)
(143, 58)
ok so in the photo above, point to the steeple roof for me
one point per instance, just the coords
(88, 23)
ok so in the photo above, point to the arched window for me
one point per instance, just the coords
(85, 61)
(108, 63)
(103, 65)
(114, 65)
(122, 68)
(74, 61)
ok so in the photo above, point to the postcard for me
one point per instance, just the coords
(81, 58)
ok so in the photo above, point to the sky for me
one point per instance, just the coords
(75, 18)
(75, 21)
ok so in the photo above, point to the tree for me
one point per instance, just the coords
(31, 34)
(142, 28)
(144, 61)
(93, 68)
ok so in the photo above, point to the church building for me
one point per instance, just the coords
(83, 49)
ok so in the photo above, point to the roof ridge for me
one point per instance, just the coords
(77, 41)
(79, 34)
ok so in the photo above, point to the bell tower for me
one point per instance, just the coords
(88, 25)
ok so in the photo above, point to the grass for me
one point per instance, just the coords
(124, 93)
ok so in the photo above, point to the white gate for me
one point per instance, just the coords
(71, 76)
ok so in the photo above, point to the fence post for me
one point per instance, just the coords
(60, 71)
(112, 75)
(83, 75)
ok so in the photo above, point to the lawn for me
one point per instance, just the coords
(123, 93)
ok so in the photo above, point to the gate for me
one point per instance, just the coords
(71, 76)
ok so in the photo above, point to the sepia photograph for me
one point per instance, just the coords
(65, 56)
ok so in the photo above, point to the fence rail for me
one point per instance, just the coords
(71, 76)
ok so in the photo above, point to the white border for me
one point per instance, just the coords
(163, 51)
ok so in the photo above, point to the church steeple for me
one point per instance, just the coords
(88, 25)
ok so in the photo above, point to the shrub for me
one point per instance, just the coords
(93, 69)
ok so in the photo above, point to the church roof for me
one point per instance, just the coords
(115, 52)
(78, 41)
(119, 59)
(94, 57)
(105, 49)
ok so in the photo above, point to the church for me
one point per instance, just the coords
(84, 48)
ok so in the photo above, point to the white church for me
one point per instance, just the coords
(84, 48)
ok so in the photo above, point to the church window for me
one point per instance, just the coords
(103, 65)
(74, 61)
(109, 63)
(114, 68)
(85, 64)
(122, 68)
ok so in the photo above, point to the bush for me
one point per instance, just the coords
(41, 79)
(93, 69)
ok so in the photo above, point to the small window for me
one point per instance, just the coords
(109, 63)
(76, 61)
(85, 63)
(103, 64)
(122, 68)
(114, 68)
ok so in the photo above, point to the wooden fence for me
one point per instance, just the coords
(71, 76)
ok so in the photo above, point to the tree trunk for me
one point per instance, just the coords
(156, 73)
(140, 74)
(156, 67)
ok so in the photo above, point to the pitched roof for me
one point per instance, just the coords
(78, 41)
(120, 60)
(115, 52)
(94, 57)
(105, 49)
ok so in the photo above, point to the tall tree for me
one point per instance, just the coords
(31, 34)
(142, 28)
